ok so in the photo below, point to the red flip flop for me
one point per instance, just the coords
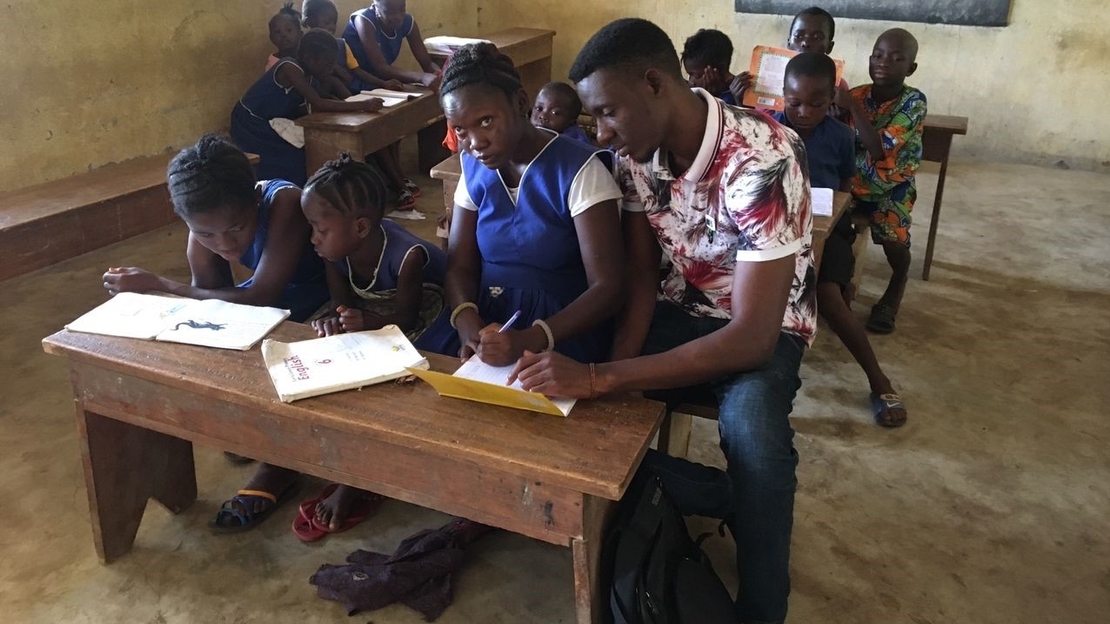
(308, 529)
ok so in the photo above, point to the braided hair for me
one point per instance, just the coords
(211, 175)
(287, 10)
(480, 63)
(354, 188)
(316, 43)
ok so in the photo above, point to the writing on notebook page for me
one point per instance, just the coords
(476, 369)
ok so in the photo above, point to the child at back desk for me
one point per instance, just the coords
(375, 35)
(706, 57)
(378, 274)
(811, 30)
(285, 34)
(323, 14)
(808, 90)
(278, 97)
(557, 108)
(888, 117)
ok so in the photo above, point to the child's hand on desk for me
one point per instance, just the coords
(372, 105)
(131, 279)
(327, 326)
(394, 84)
(740, 83)
(501, 348)
(468, 325)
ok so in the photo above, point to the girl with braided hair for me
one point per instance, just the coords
(232, 218)
(535, 226)
(378, 274)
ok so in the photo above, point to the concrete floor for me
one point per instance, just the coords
(991, 505)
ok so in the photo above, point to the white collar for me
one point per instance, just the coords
(710, 142)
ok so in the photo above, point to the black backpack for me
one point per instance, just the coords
(658, 574)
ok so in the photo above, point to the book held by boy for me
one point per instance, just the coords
(768, 70)
(341, 362)
(477, 381)
(207, 322)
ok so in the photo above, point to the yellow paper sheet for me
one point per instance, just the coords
(472, 390)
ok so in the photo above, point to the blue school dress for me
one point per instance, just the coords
(380, 294)
(308, 288)
(390, 44)
(531, 260)
(251, 131)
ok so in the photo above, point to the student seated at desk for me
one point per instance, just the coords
(262, 120)
(705, 57)
(323, 14)
(808, 90)
(557, 108)
(535, 227)
(285, 34)
(888, 117)
(811, 30)
(376, 35)
(378, 274)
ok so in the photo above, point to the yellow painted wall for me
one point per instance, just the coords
(90, 83)
(1035, 91)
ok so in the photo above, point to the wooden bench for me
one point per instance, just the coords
(47, 223)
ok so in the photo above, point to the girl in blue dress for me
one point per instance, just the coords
(535, 226)
(233, 219)
(378, 274)
(282, 94)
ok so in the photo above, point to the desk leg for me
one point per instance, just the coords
(590, 599)
(936, 215)
(124, 466)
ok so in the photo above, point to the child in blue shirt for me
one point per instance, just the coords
(378, 274)
(706, 57)
(557, 108)
(808, 90)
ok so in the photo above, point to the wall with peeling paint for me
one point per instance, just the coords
(91, 83)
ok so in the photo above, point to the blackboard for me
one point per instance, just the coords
(963, 12)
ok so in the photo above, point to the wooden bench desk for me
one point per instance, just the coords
(530, 49)
(359, 134)
(936, 144)
(140, 406)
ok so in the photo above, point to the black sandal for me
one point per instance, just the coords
(882, 319)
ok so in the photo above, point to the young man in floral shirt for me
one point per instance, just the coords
(725, 193)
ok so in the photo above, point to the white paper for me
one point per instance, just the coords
(822, 199)
(341, 362)
(387, 102)
(444, 44)
(476, 369)
(207, 323)
(772, 70)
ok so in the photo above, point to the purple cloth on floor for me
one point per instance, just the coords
(417, 574)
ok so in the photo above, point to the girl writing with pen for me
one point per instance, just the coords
(535, 227)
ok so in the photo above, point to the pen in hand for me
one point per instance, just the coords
(509, 323)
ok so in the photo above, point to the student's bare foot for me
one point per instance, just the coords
(333, 510)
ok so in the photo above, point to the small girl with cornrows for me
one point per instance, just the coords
(378, 274)
(261, 120)
(285, 34)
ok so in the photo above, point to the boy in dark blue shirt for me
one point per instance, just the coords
(808, 90)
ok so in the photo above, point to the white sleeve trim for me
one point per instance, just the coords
(462, 195)
(592, 185)
(765, 255)
(628, 206)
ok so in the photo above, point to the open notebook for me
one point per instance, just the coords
(207, 322)
(478, 381)
(341, 362)
(389, 98)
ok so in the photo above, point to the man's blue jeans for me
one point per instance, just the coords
(756, 495)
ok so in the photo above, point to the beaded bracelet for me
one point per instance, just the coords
(459, 308)
(547, 332)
